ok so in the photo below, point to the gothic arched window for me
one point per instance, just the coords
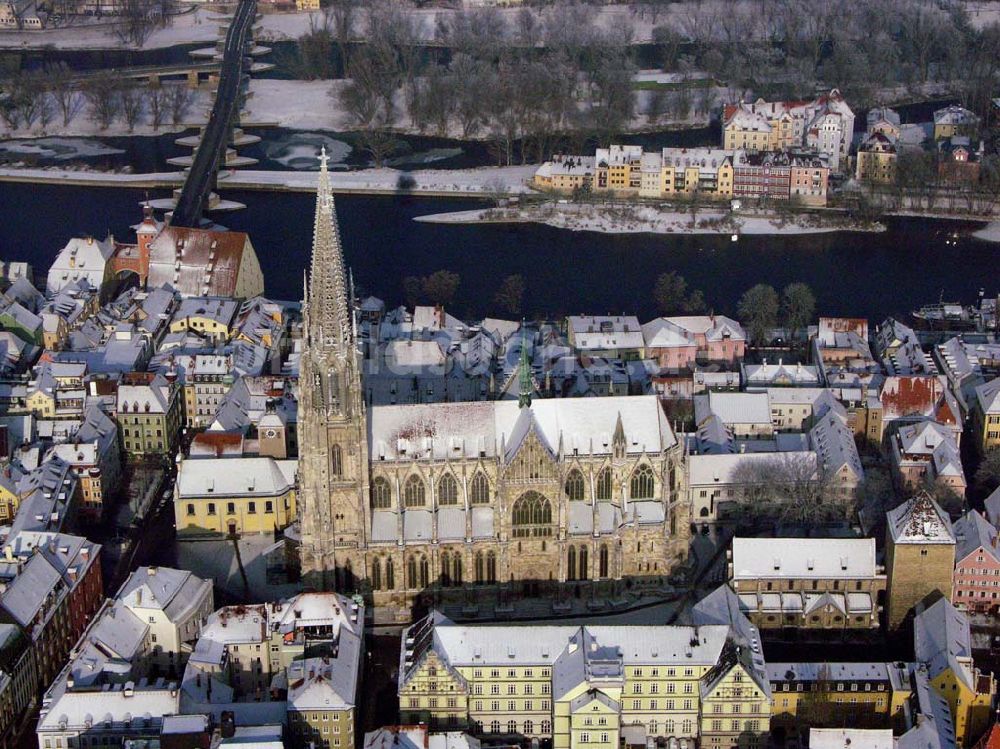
(447, 490)
(390, 575)
(336, 461)
(456, 569)
(413, 492)
(381, 494)
(480, 571)
(574, 485)
(377, 574)
(604, 485)
(532, 516)
(424, 571)
(603, 563)
(411, 573)
(445, 569)
(584, 566)
(480, 494)
(491, 567)
(642, 485)
(571, 563)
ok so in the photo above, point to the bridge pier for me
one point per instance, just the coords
(193, 79)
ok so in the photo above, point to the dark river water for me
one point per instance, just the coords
(858, 274)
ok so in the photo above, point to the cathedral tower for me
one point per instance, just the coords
(333, 466)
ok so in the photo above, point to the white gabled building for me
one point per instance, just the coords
(175, 604)
(80, 259)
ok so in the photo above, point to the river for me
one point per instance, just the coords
(857, 274)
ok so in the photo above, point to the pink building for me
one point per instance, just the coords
(678, 342)
(977, 565)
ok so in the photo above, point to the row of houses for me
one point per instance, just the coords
(717, 173)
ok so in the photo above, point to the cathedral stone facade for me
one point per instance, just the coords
(475, 504)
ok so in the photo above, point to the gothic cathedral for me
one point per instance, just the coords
(472, 504)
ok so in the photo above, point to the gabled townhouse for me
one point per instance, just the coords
(985, 416)
(210, 316)
(967, 365)
(51, 587)
(977, 564)
(618, 337)
(149, 412)
(81, 259)
(680, 342)
(898, 346)
(94, 452)
(175, 604)
(942, 641)
(50, 497)
(927, 452)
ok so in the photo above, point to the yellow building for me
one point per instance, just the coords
(320, 716)
(986, 416)
(581, 686)
(617, 169)
(919, 556)
(565, 173)
(830, 695)
(955, 120)
(876, 160)
(735, 701)
(10, 500)
(209, 316)
(942, 640)
(41, 401)
(234, 495)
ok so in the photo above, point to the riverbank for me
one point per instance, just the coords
(635, 219)
(487, 181)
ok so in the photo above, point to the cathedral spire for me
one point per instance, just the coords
(525, 384)
(329, 309)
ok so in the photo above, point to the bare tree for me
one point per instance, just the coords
(68, 97)
(136, 20)
(101, 92)
(132, 104)
(180, 99)
(787, 488)
(157, 101)
(528, 28)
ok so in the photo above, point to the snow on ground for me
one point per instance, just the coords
(278, 102)
(83, 125)
(470, 182)
(644, 219)
(989, 233)
(283, 103)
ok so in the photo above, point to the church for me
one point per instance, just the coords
(472, 504)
